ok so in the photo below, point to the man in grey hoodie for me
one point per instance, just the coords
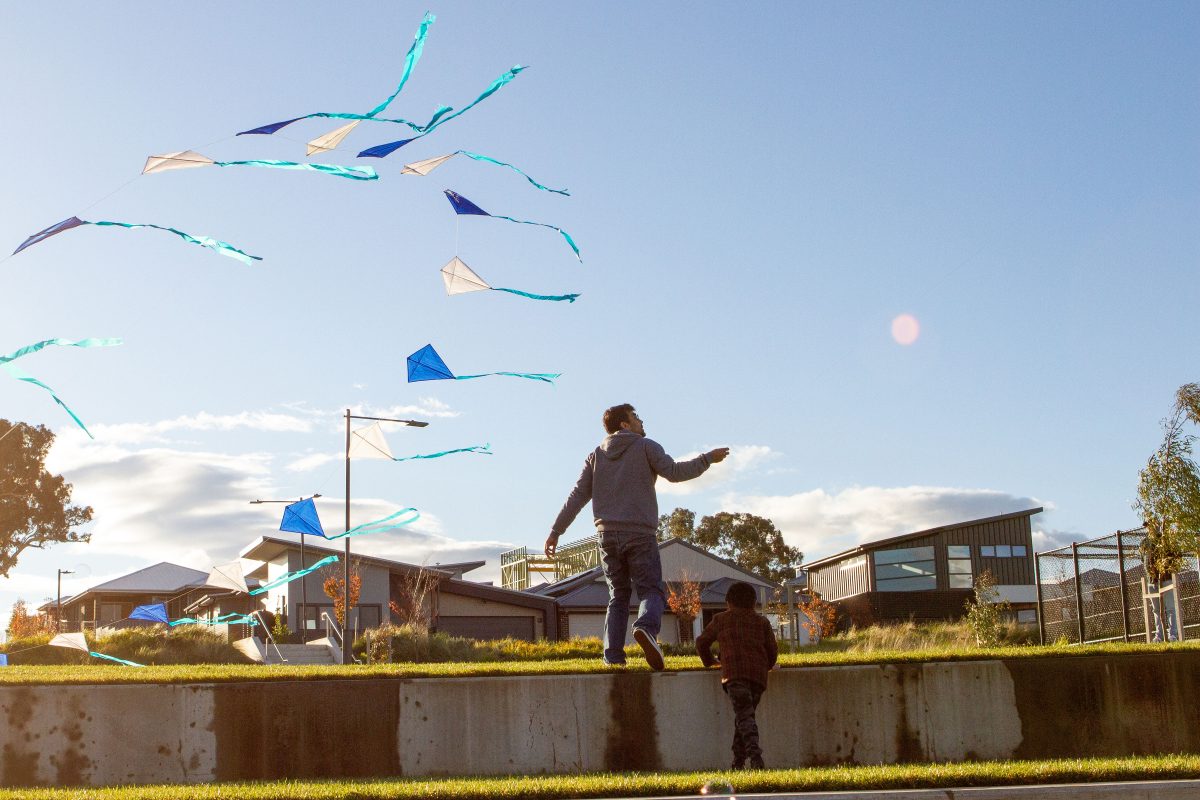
(618, 477)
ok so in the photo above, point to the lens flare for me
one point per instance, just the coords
(905, 329)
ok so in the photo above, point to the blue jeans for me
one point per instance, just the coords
(631, 561)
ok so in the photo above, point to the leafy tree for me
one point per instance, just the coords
(985, 612)
(683, 599)
(35, 508)
(22, 624)
(334, 586)
(818, 617)
(751, 542)
(1168, 493)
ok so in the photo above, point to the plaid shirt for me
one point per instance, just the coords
(748, 649)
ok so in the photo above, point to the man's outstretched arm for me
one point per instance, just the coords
(676, 471)
(578, 498)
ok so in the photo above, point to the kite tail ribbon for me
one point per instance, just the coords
(291, 576)
(224, 248)
(405, 516)
(337, 170)
(224, 619)
(410, 61)
(547, 377)
(114, 658)
(491, 160)
(570, 298)
(485, 450)
(565, 235)
(21, 375)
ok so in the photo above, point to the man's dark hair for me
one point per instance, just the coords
(741, 595)
(613, 417)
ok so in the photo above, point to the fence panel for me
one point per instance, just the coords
(1056, 571)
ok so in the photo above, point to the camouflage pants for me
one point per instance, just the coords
(745, 696)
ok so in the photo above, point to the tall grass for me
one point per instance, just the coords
(917, 636)
(144, 645)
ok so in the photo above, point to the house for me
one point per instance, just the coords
(109, 603)
(583, 598)
(929, 574)
(445, 601)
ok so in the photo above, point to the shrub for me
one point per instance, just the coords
(153, 644)
(985, 611)
(412, 644)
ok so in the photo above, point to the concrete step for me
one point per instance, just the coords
(299, 654)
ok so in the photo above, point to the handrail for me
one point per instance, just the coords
(270, 638)
(332, 627)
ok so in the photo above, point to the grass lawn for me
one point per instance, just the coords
(224, 673)
(908, 776)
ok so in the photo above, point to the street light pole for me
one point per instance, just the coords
(303, 563)
(346, 643)
(58, 602)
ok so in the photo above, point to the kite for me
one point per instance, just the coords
(228, 576)
(223, 248)
(301, 517)
(224, 619)
(430, 164)
(288, 577)
(21, 375)
(464, 207)
(460, 279)
(189, 159)
(75, 641)
(427, 365)
(405, 516)
(369, 442)
(156, 612)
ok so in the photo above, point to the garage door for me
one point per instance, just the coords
(488, 627)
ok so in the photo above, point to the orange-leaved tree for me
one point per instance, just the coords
(683, 598)
(334, 586)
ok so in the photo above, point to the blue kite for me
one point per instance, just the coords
(427, 365)
(301, 517)
(464, 207)
(224, 248)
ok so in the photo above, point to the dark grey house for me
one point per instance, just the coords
(929, 574)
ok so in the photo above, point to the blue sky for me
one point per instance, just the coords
(758, 191)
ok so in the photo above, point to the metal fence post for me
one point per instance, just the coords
(1037, 582)
(1078, 589)
(1124, 600)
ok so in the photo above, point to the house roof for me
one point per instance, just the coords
(161, 578)
(595, 594)
(460, 567)
(867, 547)
(496, 594)
(265, 548)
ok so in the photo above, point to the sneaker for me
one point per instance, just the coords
(738, 764)
(654, 654)
(756, 762)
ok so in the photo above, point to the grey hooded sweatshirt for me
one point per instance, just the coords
(618, 477)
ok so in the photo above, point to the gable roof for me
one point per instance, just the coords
(727, 562)
(483, 591)
(264, 548)
(161, 578)
(867, 547)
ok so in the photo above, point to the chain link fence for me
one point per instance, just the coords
(1096, 591)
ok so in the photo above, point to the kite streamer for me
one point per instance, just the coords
(76, 641)
(460, 279)
(405, 516)
(485, 450)
(190, 159)
(430, 164)
(223, 248)
(21, 375)
(464, 207)
(410, 61)
(114, 658)
(427, 365)
(224, 619)
(291, 576)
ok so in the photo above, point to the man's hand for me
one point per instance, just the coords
(717, 456)
(551, 545)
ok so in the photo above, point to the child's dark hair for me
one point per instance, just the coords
(741, 595)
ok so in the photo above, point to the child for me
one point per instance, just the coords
(747, 654)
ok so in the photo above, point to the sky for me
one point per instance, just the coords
(914, 263)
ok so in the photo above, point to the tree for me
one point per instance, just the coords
(1168, 499)
(751, 542)
(35, 508)
(683, 599)
(413, 590)
(818, 617)
(334, 586)
(22, 624)
(986, 611)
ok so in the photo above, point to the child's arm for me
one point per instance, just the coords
(704, 643)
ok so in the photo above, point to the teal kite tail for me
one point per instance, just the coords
(291, 576)
(491, 160)
(114, 658)
(570, 298)
(485, 450)
(387, 523)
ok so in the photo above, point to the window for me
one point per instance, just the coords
(1003, 551)
(907, 569)
(1018, 551)
(958, 565)
(1027, 615)
(987, 551)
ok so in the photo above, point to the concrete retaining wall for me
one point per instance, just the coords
(1035, 708)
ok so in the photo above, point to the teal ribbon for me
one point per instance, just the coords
(570, 298)
(224, 248)
(224, 619)
(565, 235)
(353, 173)
(491, 160)
(387, 523)
(291, 576)
(496, 86)
(21, 375)
(485, 450)
(548, 377)
(114, 658)
(410, 61)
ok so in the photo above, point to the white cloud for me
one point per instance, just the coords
(312, 461)
(741, 459)
(821, 523)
